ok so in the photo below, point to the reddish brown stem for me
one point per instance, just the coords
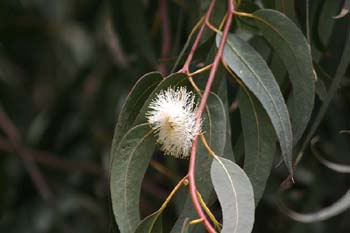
(14, 137)
(185, 68)
(191, 171)
(166, 34)
(52, 160)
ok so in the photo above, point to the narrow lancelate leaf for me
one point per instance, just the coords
(336, 208)
(251, 68)
(292, 47)
(135, 100)
(214, 128)
(222, 92)
(259, 142)
(131, 159)
(235, 194)
(152, 223)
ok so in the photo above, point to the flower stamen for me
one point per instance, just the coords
(172, 117)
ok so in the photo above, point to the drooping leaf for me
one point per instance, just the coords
(135, 100)
(259, 142)
(131, 159)
(235, 194)
(336, 208)
(222, 93)
(214, 128)
(292, 47)
(152, 223)
(255, 74)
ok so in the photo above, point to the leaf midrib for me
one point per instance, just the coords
(300, 72)
(283, 38)
(259, 80)
(127, 173)
(233, 188)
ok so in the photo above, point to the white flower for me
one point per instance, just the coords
(172, 116)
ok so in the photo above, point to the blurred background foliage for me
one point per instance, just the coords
(66, 67)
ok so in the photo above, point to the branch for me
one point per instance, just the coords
(53, 160)
(218, 56)
(166, 34)
(14, 137)
(185, 68)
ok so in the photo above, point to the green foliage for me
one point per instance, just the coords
(251, 68)
(135, 100)
(291, 46)
(129, 165)
(152, 223)
(78, 154)
(259, 142)
(235, 194)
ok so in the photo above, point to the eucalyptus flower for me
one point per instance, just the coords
(172, 117)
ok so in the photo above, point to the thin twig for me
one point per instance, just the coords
(38, 179)
(163, 170)
(166, 34)
(191, 171)
(54, 161)
(201, 70)
(209, 213)
(185, 68)
(196, 221)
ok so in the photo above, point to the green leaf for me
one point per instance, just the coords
(151, 224)
(222, 93)
(131, 159)
(255, 74)
(214, 127)
(259, 142)
(291, 46)
(235, 194)
(135, 100)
